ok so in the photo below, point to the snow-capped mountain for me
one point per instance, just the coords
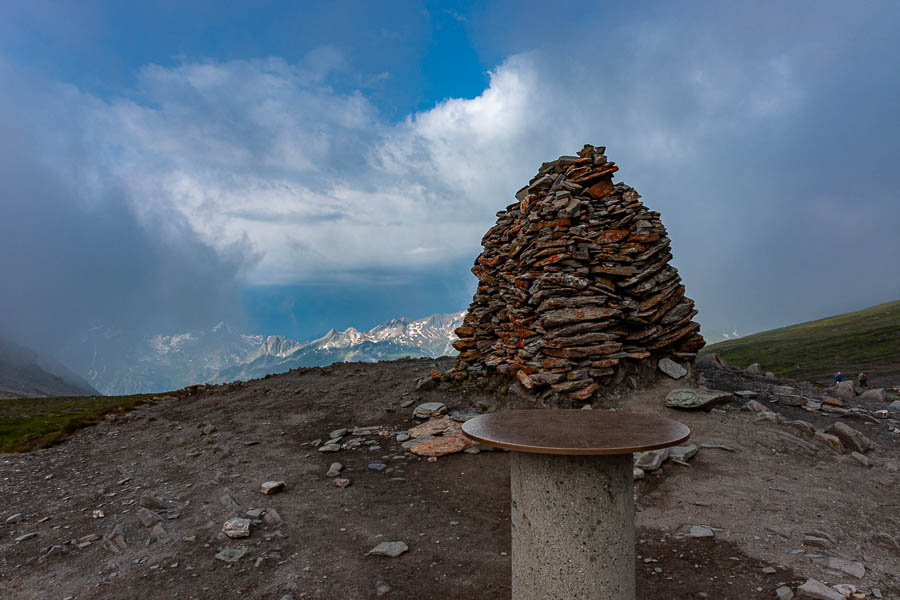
(115, 365)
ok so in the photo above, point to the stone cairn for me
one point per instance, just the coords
(575, 289)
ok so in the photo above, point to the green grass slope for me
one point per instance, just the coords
(29, 423)
(866, 340)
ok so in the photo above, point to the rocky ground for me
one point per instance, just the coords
(135, 507)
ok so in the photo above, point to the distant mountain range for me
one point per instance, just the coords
(24, 373)
(114, 364)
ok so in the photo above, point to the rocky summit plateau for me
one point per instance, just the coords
(352, 481)
(355, 480)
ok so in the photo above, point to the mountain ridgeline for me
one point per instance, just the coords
(115, 364)
(25, 373)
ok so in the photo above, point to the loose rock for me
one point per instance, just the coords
(231, 555)
(429, 409)
(818, 591)
(671, 368)
(271, 487)
(237, 527)
(696, 399)
(390, 549)
(851, 438)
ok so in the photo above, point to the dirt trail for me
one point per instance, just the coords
(759, 501)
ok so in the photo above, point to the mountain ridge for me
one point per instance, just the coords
(162, 362)
(25, 373)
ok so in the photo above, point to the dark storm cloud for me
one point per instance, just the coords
(69, 262)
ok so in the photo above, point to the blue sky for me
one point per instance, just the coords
(292, 167)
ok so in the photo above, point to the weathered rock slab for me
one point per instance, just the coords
(696, 399)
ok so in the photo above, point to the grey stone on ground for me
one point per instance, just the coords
(696, 399)
(746, 394)
(845, 589)
(14, 518)
(26, 536)
(148, 518)
(754, 406)
(236, 527)
(152, 503)
(860, 458)
(255, 513)
(334, 470)
(229, 502)
(638, 474)
(158, 533)
(804, 427)
(429, 409)
(391, 549)
(416, 441)
(272, 517)
(115, 540)
(833, 441)
(462, 417)
(782, 390)
(711, 360)
(850, 567)
(338, 433)
(425, 383)
(271, 487)
(382, 588)
(651, 460)
(377, 466)
(895, 405)
(850, 438)
(877, 394)
(784, 593)
(330, 448)
(755, 369)
(685, 452)
(770, 375)
(402, 437)
(791, 399)
(671, 368)
(818, 591)
(699, 531)
(843, 390)
(231, 555)
(817, 542)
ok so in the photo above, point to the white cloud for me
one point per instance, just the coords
(322, 185)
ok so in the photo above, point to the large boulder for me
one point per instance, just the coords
(850, 438)
(755, 369)
(877, 394)
(711, 360)
(696, 399)
(843, 390)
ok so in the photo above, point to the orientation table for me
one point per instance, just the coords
(572, 492)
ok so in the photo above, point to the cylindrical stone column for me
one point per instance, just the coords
(572, 527)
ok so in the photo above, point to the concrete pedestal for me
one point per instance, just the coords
(572, 484)
(572, 527)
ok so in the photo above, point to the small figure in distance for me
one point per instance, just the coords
(863, 380)
(838, 377)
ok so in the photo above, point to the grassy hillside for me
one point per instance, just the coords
(866, 340)
(27, 423)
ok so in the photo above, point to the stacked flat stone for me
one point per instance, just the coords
(575, 285)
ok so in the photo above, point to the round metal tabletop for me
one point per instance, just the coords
(575, 431)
